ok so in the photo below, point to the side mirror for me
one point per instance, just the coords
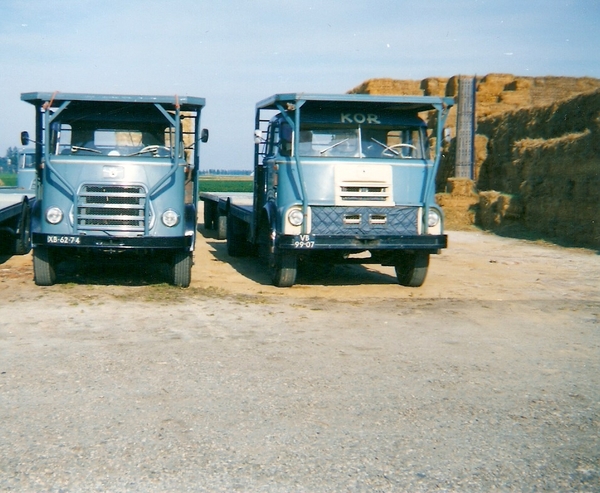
(25, 138)
(204, 135)
(258, 136)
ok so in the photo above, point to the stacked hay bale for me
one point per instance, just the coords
(536, 153)
(388, 87)
(459, 203)
(548, 160)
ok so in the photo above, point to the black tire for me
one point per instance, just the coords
(181, 269)
(44, 268)
(221, 227)
(411, 269)
(237, 245)
(284, 267)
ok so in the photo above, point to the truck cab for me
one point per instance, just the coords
(348, 178)
(112, 177)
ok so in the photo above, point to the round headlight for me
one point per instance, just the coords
(433, 219)
(54, 215)
(170, 218)
(295, 217)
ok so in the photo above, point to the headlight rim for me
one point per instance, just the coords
(170, 213)
(295, 217)
(54, 215)
(436, 216)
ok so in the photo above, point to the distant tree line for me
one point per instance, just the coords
(8, 163)
(225, 172)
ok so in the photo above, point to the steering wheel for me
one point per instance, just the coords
(393, 150)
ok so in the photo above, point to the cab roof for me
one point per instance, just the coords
(413, 104)
(186, 103)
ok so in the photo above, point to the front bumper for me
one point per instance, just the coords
(111, 243)
(299, 243)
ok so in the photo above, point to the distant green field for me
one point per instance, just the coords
(207, 183)
(225, 184)
(8, 179)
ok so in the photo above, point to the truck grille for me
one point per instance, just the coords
(376, 193)
(373, 221)
(119, 208)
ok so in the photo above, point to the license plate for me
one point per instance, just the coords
(62, 240)
(304, 241)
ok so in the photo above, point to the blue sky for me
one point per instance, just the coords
(236, 52)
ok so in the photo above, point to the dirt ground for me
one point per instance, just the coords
(484, 379)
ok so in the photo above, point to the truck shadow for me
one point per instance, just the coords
(340, 275)
(107, 271)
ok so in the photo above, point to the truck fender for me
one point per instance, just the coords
(190, 222)
(36, 216)
(269, 211)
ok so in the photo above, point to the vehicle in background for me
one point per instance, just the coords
(26, 175)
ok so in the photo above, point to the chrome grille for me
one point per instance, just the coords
(112, 208)
(364, 193)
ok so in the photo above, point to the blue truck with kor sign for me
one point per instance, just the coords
(112, 177)
(339, 178)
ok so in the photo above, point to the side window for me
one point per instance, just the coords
(272, 139)
(285, 140)
(60, 138)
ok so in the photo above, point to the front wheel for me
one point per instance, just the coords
(44, 268)
(411, 269)
(283, 267)
(181, 269)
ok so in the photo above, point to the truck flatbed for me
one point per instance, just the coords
(15, 206)
(11, 201)
(218, 204)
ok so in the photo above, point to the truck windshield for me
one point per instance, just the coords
(363, 142)
(129, 141)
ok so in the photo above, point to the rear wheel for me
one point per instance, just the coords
(181, 269)
(411, 269)
(221, 226)
(44, 268)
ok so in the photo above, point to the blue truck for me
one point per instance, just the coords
(113, 172)
(339, 178)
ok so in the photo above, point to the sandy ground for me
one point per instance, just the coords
(484, 379)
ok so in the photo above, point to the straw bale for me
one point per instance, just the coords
(461, 187)
(434, 86)
(459, 210)
(388, 87)
(496, 208)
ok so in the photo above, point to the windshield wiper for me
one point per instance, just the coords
(334, 145)
(79, 148)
